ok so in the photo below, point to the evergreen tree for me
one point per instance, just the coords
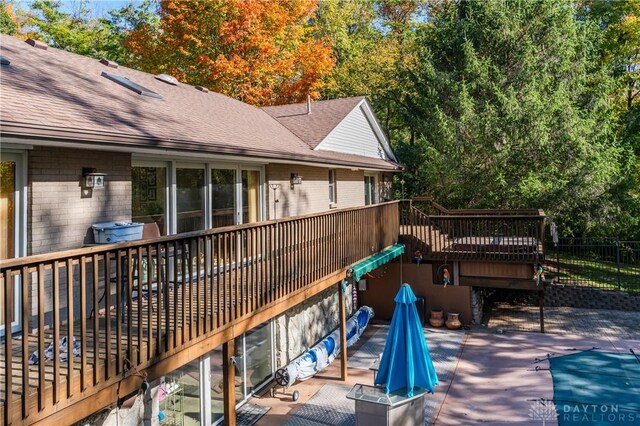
(511, 108)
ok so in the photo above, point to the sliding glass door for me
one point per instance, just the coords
(190, 202)
(223, 197)
(12, 226)
(236, 196)
(185, 197)
(149, 195)
(251, 196)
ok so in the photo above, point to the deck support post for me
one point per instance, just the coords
(229, 382)
(541, 304)
(343, 333)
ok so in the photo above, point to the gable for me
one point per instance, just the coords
(355, 134)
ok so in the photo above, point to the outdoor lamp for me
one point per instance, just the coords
(92, 178)
(296, 179)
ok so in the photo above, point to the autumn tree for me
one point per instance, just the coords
(259, 51)
(372, 41)
(8, 19)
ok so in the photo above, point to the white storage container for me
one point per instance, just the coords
(116, 232)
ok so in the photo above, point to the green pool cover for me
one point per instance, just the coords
(377, 260)
(596, 388)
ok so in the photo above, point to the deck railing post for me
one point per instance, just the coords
(229, 382)
(343, 333)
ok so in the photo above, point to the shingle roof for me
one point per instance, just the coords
(60, 95)
(313, 128)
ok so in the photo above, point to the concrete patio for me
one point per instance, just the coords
(497, 375)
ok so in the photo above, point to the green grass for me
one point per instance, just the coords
(586, 271)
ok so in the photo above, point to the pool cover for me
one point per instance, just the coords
(596, 388)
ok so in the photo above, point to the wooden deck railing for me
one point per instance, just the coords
(130, 304)
(500, 235)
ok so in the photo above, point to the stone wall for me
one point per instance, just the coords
(303, 326)
(477, 304)
(591, 298)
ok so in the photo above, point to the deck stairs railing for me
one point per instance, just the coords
(510, 235)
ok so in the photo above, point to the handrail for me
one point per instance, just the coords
(103, 248)
(149, 299)
(476, 212)
(476, 237)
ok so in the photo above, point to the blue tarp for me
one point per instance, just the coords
(322, 354)
(406, 362)
(596, 388)
(377, 260)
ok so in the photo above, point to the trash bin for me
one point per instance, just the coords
(420, 306)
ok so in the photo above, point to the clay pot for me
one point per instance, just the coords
(436, 319)
(453, 321)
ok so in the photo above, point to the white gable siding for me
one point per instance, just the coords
(354, 135)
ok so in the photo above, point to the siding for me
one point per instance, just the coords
(312, 195)
(354, 135)
(60, 213)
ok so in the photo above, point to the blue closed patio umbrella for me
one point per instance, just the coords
(406, 362)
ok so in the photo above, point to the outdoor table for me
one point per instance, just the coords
(374, 407)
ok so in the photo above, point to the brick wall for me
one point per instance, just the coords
(312, 195)
(60, 213)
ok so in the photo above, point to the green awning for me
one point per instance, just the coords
(375, 261)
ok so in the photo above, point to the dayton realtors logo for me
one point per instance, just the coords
(581, 413)
(597, 414)
(544, 411)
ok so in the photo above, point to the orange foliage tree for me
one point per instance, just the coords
(259, 51)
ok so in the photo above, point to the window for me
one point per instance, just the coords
(124, 81)
(190, 183)
(148, 200)
(370, 190)
(333, 196)
(223, 199)
(250, 196)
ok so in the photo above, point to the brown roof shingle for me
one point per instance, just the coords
(313, 128)
(56, 94)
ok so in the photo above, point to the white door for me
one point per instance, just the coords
(12, 225)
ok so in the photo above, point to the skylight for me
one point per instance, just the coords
(124, 81)
(167, 79)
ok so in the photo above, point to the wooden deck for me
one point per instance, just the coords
(114, 356)
(240, 277)
(214, 286)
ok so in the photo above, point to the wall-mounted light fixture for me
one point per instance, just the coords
(92, 178)
(296, 179)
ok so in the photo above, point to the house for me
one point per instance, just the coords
(168, 153)
(255, 216)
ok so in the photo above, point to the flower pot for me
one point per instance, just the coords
(436, 319)
(453, 321)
